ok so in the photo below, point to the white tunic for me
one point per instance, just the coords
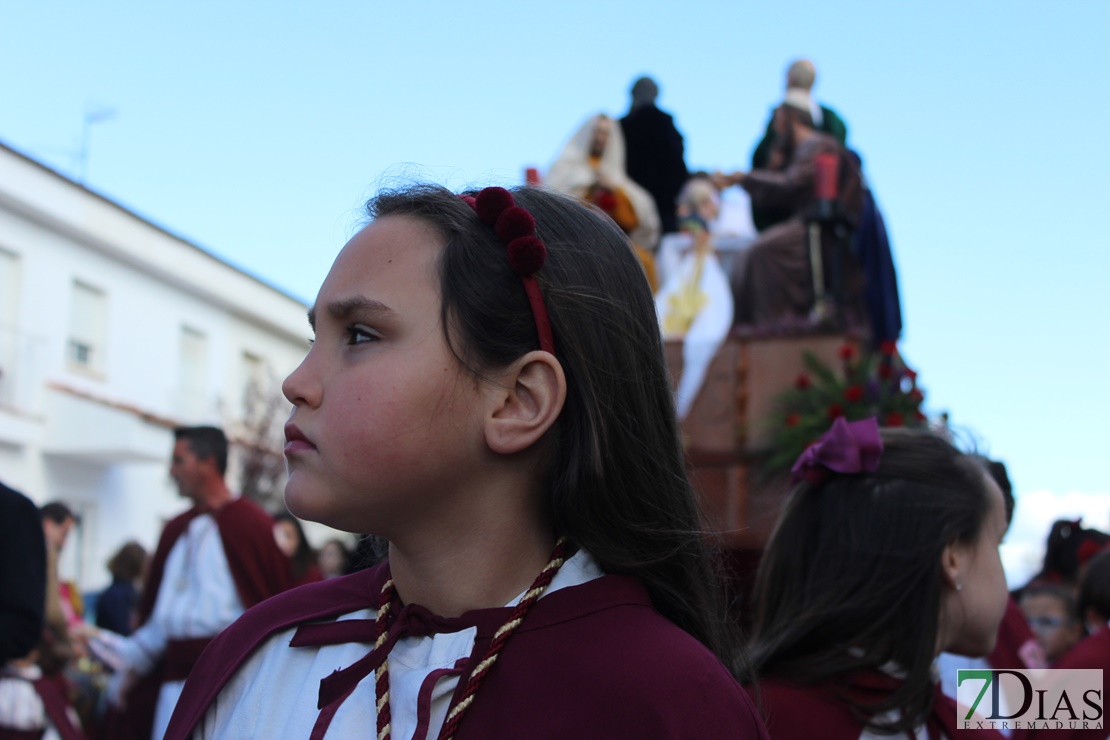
(20, 705)
(197, 598)
(274, 693)
(21, 708)
(701, 276)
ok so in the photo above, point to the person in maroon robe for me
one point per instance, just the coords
(256, 570)
(546, 576)
(886, 555)
(542, 687)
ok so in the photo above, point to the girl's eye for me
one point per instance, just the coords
(360, 335)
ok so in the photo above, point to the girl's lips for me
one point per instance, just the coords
(295, 441)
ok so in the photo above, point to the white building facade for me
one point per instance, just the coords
(112, 332)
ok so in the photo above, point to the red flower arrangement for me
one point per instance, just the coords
(871, 384)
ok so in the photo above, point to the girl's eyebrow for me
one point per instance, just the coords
(341, 309)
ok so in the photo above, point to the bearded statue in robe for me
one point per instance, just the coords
(591, 167)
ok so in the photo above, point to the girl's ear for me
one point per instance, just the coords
(952, 564)
(525, 403)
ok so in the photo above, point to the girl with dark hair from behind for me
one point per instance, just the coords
(886, 555)
(487, 392)
(116, 606)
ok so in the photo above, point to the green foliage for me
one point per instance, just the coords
(872, 384)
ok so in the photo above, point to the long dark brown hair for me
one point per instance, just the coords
(304, 557)
(852, 579)
(616, 482)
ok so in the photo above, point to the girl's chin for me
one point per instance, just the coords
(313, 506)
(304, 504)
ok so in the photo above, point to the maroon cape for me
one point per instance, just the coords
(594, 660)
(1092, 652)
(258, 568)
(795, 712)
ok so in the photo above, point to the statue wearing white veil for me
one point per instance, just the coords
(591, 167)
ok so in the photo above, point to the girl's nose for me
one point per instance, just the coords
(302, 387)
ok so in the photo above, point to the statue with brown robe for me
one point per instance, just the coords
(773, 283)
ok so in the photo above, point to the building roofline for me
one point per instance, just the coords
(153, 224)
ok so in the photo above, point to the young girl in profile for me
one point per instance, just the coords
(886, 555)
(486, 390)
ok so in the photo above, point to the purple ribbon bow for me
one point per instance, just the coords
(848, 447)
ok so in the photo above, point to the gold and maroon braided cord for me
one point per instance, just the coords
(504, 632)
(381, 675)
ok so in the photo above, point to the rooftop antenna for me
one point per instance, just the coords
(93, 114)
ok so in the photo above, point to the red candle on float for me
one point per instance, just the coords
(532, 176)
(827, 173)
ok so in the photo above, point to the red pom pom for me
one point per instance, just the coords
(490, 203)
(470, 200)
(514, 222)
(526, 255)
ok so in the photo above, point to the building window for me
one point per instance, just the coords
(193, 369)
(253, 383)
(87, 327)
(9, 322)
(9, 290)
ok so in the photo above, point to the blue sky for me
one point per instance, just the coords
(258, 129)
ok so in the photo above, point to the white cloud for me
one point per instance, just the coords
(1034, 513)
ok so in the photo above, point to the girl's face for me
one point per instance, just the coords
(1055, 629)
(385, 423)
(286, 536)
(975, 610)
(331, 560)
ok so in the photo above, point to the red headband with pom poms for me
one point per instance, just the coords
(515, 227)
